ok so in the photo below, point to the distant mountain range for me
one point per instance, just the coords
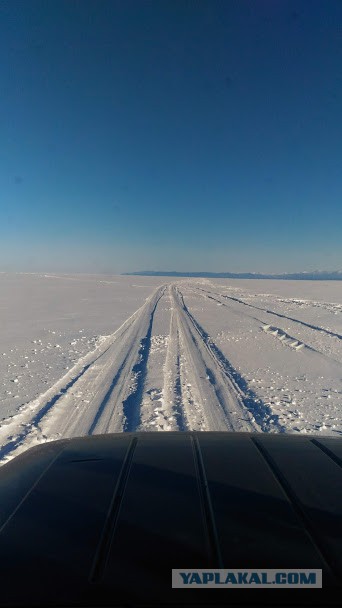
(316, 275)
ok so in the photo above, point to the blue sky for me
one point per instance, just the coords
(170, 134)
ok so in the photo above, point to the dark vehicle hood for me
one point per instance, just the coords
(103, 520)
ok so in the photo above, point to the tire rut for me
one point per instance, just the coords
(232, 392)
(91, 384)
(281, 331)
(278, 314)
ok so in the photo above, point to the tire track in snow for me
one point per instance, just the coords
(108, 387)
(132, 404)
(121, 378)
(290, 341)
(199, 401)
(169, 406)
(58, 414)
(277, 314)
(233, 396)
(173, 389)
(287, 338)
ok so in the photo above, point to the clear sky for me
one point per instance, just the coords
(170, 134)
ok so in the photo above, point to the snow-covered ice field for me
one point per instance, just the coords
(90, 354)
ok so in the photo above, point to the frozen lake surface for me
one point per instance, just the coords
(89, 354)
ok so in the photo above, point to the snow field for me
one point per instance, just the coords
(192, 355)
